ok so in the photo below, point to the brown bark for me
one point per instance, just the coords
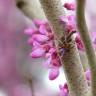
(71, 61)
(90, 52)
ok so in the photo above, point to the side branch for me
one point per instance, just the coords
(82, 27)
(30, 8)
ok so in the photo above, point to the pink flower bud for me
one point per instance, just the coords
(40, 38)
(63, 90)
(42, 30)
(69, 6)
(51, 36)
(63, 93)
(39, 22)
(37, 53)
(36, 44)
(46, 47)
(53, 73)
(79, 43)
(56, 62)
(48, 55)
(47, 63)
(52, 50)
(30, 31)
(30, 41)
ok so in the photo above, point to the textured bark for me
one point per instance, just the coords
(82, 27)
(74, 72)
(71, 61)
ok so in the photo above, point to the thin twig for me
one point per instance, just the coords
(82, 27)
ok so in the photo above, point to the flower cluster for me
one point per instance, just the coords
(42, 41)
(41, 38)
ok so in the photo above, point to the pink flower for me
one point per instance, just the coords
(37, 53)
(35, 44)
(39, 22)
(42, 41)
(56, 62)
(46, 47)
(30, 31)
(47, 63)
(40, 38)
(69, 6)
(63, 93)
(43, 30)
(48, 55)
(79, 43)
(63, 90)
(53, 53)
(30, 41)
(68, 22)
(53, 73)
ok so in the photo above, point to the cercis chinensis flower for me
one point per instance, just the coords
(41, 38)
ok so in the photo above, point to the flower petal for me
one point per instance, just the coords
(30, 31)
(42, 30)
(47, 63)
(38, 22)
(40, 38)
(37, 53)
(70, 6)
(53, 73)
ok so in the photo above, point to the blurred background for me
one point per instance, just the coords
(20, 75)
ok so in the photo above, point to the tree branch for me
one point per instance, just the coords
(30, 8)
(71, 61)
(82, 27)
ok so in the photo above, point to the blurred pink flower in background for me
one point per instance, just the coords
(20, 90)
(12, 22)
